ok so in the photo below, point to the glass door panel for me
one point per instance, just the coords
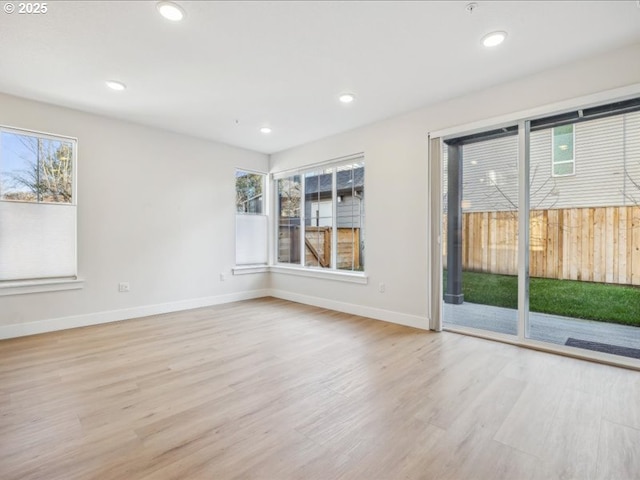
(480, 233)
(584, 258)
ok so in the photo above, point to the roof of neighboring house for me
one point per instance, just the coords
(346, 180)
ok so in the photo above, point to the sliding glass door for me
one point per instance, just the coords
(480, 232)
(541, 231)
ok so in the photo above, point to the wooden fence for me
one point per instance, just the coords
(317, 246)
(600, 244)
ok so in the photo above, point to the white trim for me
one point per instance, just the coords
(408, 320)
(524, 152)
(338, 275)
(36, 133)
(63, 323)
(616, 94)
(38, 286)
(247, 269)
(249, 170)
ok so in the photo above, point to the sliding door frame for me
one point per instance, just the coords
(434, 200)
(524, 134)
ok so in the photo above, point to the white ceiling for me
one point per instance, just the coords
(231, 67)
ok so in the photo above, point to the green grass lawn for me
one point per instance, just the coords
(569, 298)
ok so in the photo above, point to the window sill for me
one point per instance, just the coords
(38, 286)
(248, 269)
(358, 277)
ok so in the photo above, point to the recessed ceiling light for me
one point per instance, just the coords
(265, 130)
(494, 39)
(170, 11)
(115, 85)
(347, 97)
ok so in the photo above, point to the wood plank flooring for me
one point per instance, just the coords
(268, 389)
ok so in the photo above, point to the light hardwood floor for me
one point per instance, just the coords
(269, 389)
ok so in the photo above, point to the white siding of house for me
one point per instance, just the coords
(604, 148)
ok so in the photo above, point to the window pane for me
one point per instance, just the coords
(565, 168)
(288, 243)
(249, 192)
(36, 169)
(19, 167)
(55, 171)
(350, 217)
(563, 143)
(480, 235)
(289, 195)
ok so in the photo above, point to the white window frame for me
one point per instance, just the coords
(555, 162)
(300, 268)
(48, 284)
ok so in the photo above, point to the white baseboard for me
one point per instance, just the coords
(55, 324)
(406, 319)
(63, 323)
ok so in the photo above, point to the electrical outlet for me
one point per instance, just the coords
(223, 277)
(382, 287)
(124, 287)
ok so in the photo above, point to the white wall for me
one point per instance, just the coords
(396, 182)
(155, 209)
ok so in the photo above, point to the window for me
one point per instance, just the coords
(251, 222)
(321, 216)
(289, 191)
(37, 206)
(249, 192)
(563, 161)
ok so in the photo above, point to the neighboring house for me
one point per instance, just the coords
(595, 163)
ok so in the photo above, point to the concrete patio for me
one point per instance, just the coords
(543, 327)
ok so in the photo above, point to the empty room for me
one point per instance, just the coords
(325, 240)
